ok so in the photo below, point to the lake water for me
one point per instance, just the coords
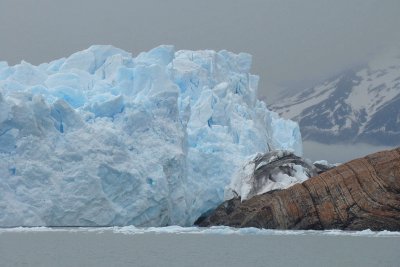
(176, 246)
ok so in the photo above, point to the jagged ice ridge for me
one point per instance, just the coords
(102, 138)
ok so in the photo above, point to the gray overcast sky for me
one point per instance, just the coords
(294, 43)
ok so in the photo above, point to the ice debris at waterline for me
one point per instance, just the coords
(213, 230)
(102, 138)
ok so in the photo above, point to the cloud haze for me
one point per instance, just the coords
(339, 153)
(293, 43)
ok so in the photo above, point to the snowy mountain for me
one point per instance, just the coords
(104, 138)
(361, 105)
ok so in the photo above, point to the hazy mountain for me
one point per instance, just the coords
(359, 105)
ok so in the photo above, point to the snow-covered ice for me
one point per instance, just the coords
(104, 138)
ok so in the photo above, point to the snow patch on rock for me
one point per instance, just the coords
(273, 170)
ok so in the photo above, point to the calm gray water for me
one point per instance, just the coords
(107, 248)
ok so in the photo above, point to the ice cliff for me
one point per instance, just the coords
(104, 138)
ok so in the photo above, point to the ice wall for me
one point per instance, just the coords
(103, 138)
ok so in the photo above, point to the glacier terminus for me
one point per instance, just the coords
(104, 138)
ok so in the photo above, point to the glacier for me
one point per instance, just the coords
(103, 138)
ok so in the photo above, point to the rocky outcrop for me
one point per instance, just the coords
(361, 194)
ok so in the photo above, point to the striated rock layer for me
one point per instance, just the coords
(361, 194)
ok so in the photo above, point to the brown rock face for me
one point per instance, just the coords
(361, 194)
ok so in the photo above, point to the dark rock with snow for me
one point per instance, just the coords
(323, 166)
(360, 194)
(273, 170)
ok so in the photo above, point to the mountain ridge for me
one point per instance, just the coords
(359, 105)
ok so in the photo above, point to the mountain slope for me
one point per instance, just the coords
(360, 105)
